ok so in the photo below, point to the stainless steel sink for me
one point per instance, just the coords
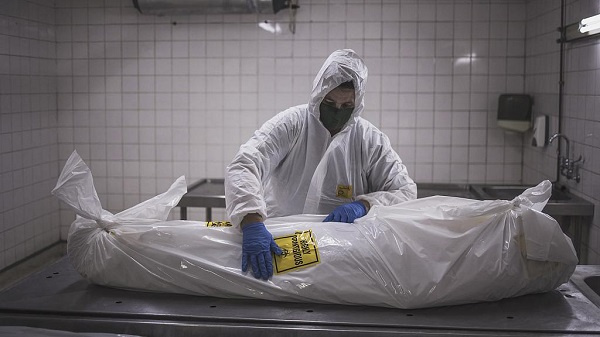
(587, 279)
(510, 192)
(561, 203)
(594, 283)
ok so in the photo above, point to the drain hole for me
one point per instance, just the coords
(55, 273)
(409, 315)
(118, 302)
(213, 306)
(509, 317)
(309, 310)
(569, 296)
(49, 276)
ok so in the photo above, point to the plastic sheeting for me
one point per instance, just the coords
(427, 252)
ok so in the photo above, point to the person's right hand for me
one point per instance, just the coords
(257, 245)
(348, 212)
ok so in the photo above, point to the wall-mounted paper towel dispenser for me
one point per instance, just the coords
(514, 112)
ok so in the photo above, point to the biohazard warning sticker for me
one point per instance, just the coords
(344, 191)
(299, 251)
(218, 224)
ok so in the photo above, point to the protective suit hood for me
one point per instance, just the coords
(341, 66)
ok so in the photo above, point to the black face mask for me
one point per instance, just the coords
(333, 118)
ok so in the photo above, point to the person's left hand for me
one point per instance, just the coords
(347, 212)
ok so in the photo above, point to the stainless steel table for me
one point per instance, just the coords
(58, 298)
(207, 193)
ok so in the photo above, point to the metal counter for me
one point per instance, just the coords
(210, 193)
(207, 193)
(58, 298)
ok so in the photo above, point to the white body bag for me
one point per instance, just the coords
(427, 252)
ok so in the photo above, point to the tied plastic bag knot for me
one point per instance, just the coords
(521, 201)
(106, 225)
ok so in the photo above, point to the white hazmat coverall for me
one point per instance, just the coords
(293, 165)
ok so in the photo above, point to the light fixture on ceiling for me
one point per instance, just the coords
(586, 28)
(590, 24)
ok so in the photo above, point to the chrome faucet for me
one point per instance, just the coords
(568, 167)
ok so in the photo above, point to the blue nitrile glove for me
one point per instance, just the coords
(347, 212)
(257, 245)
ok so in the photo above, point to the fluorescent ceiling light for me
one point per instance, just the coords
(589, 24)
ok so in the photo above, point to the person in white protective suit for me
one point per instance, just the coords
(316, 158)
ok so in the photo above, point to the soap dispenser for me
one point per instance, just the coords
(540, 130)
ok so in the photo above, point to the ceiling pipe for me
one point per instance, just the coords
(186, 7)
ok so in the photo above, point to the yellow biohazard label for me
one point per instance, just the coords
(299, 251)
(218, 224)
(344, 191)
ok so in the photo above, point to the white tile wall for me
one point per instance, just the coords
(581, 117)
(29, 216)
(145, 99)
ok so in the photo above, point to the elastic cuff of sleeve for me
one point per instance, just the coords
(252, 225)
(359, 202)
(372, 201)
